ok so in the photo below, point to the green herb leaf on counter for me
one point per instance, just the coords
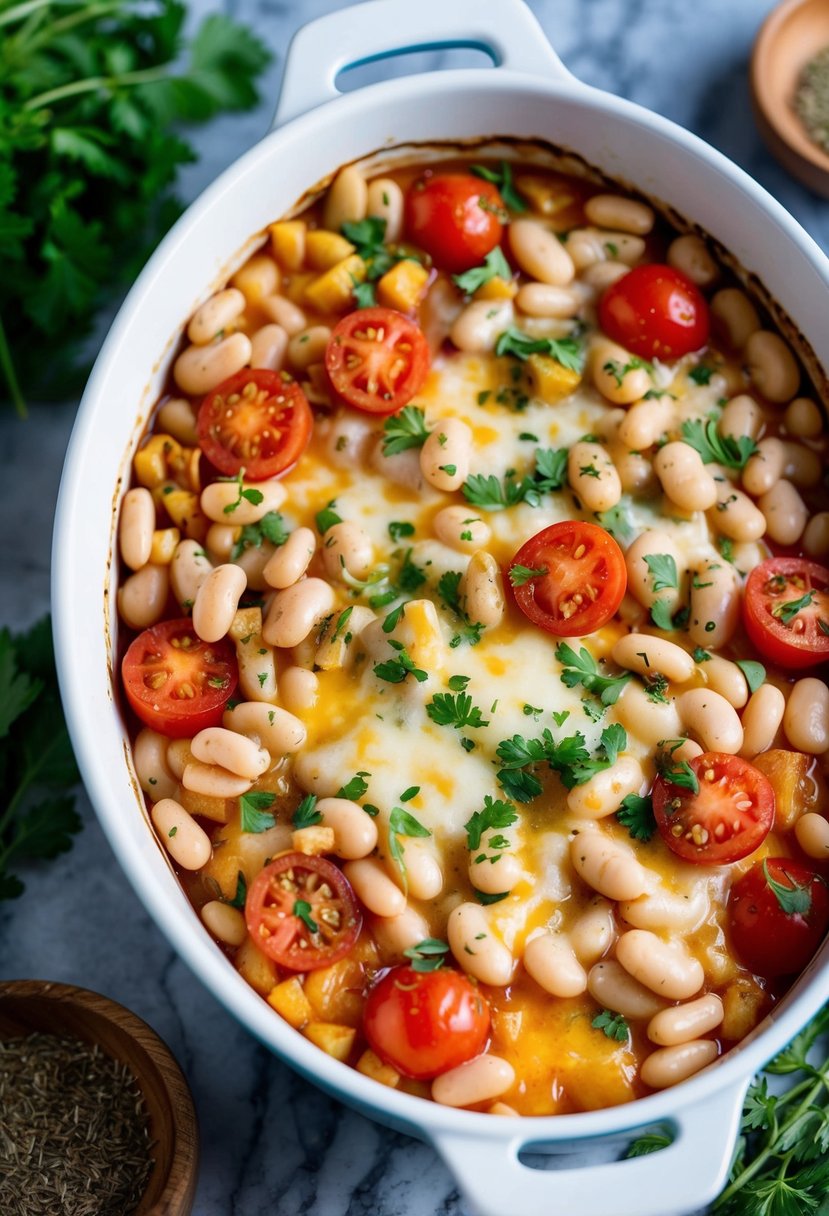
(730, 452)
(569, 352)
(405, 429)
(254, 815)
(35, 757)
(495, 266)
(502, 178)
(92, 98)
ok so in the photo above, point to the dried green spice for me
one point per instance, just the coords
(812, 98)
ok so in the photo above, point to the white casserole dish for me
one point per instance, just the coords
(529, 94)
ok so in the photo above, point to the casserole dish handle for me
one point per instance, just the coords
(505, 30)
(674, 1181)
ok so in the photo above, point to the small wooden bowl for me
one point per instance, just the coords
(790, 36)
(27, 1006)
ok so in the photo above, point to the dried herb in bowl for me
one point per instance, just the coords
(812, 98)
(74, 1137)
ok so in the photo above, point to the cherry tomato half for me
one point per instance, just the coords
(778, 914)
(176, 683)
(655, 312)
(728, 817)
(376, 360)
(456, 218)
(786, 611)
(569, 579)
(425, 1022)
(301, 912)
(256, 421)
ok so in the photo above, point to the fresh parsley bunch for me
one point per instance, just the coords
(90, 96)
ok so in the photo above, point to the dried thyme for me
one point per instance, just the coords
(812, 98)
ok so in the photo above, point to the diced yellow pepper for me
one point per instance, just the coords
(336, 1041)
(314, 840)
(324, 249)
(288, 243)
(372, 1066)
(291, 1003)
(184, 510)
(335, 992)
(164, 545)
(744, 1003)
(255, 967)
(333, 291)
(404, 286)
(497, 289)
(551, 380)
(796, 789)
(155, 460)
(547, 195)
(246, 622)
(219, 810)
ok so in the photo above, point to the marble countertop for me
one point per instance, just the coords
(271, 1142)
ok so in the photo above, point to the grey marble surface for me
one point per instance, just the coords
(270, 1142)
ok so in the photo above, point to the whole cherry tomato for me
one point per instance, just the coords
(655, 312)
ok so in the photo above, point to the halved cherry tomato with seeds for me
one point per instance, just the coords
(655, 312)
(376, 360)
(569, 579)
(786, 611)
(727, 816)
(425, 1022)
(457, 218)
(301, 912)
(778, 914)
(257, 421)
(176, 683)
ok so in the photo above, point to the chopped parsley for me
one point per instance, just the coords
(270, 527)
(730, 451)
(327, 517)
(519, 575)
(405, 429)
(636, 814)
(399, 529)
(495, 814)
(428, 955)
(495, 266)
(449, 591)
(788, 611)
(569, 352)
(795, 900)
(446, 709)
(302, 910)
(613, 1025)
(569, 758)
(755, 673)
(583, 669)
(251, 495)
(701, 374)
(502, 178)
(619, 370)
(254, 815)
(394, 671)
(356, 788)
(403, 823)
(306, 815)
(662, 567)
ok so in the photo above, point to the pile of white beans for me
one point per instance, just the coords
(630, 947)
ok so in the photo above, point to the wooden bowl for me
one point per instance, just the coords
(27, 1006)
(790, 36)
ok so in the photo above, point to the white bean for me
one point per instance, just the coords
(424, 876)
(715, 604)
(772, 366)
(764, 468)
(294, 612)
(290, 561)
(646, 720)
(740, 417)
(224, 502)
(806, 718)
(481, 590)
(762, 718)
(476, 950)
(646, 654)
(682, 1023)
(603, 793)
(727, 679)
(812, 832)
(617, 211)
(213, 780)
(308, 347)
(346, 547)
(459, 528)
(268, 347)
(444, 457)
(385, 201)
(221, 540)
(177, 417)
(594, 931)
(298, 689)
(545, 300)
(347, 199)
(607, 866)
(481, 323)
(816, 535)
(479, 1080)
(803, 418)
(224, 922)
(552, 963)
(186, 842)
(664, 912)
(142, 598)
(616, 373)
(230, 750)
(735, 316)
(199, 369)
(539, 253)
(670, 1065)
(602, 275)
(803, 466)
(684, 477)
(785, 511)
(645, 422)
(494, 874)
(275, 729)
(593, 477)
(666, 968)
(136, 527)
(708, 716)
(215, 315)
(149, 755)
(355, 832)
(613, 988)
(252, 560)
(641, 580)
(284, 313)
(689, 254)
(394, 934)
(736, 515)
(216, 602)
(373, 887)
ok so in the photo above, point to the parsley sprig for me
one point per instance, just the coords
(568, 757)
(254, 815)
(583, 669)
(405, 429)
(428, 955)
(730, 452)
(491, 494)
(502, 178)
(636, 814)
(447, 710)
(495, 266)
(613, 1025)
(395, 671)
(270, 527)
(402, 823)
(495, 814)
(569, 352)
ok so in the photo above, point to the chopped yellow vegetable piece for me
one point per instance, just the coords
(288, 243)
(551, 381)
(247, 621)
(157, 459)
(497, 289)
(324, 249)
(336, 1041)
(219, 810)
(314, 840)
(291, 1003)
(184, 510)
(255, 967)
(744, 1004)
(164, 545)
(333, 291)
(404, 286)
(546, 195)
(372, 1066)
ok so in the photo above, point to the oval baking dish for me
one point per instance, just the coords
(528, 97)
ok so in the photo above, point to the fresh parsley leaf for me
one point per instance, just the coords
(405, 429)
(394, 671)
(494, 815)
(448, 589)
(755, 673)
(794, 900)
(410, 577)
(327, 517)
(677, 772)
(356, 788)
(550, 470)
(447, 710)
(519, 575)
(656, 685)
(253, 811)
(583, 669)
(618, 370)
(663, 618)
(701, 374)
(788, 611)
(730, 452)
(662, 567)
(428, 955)
(410, 793)
(569, 352)
(306, 814)
(651, 1142)
(364, 294)
(613, 1025)
(485, 898)
(495, 266)
(519, 785)
(270, 527)
(699, 655)
(403, 823)
(458, 683)
(241, 893)
(400, 530)
(636, 814)
(302, 910)
(502, 178)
